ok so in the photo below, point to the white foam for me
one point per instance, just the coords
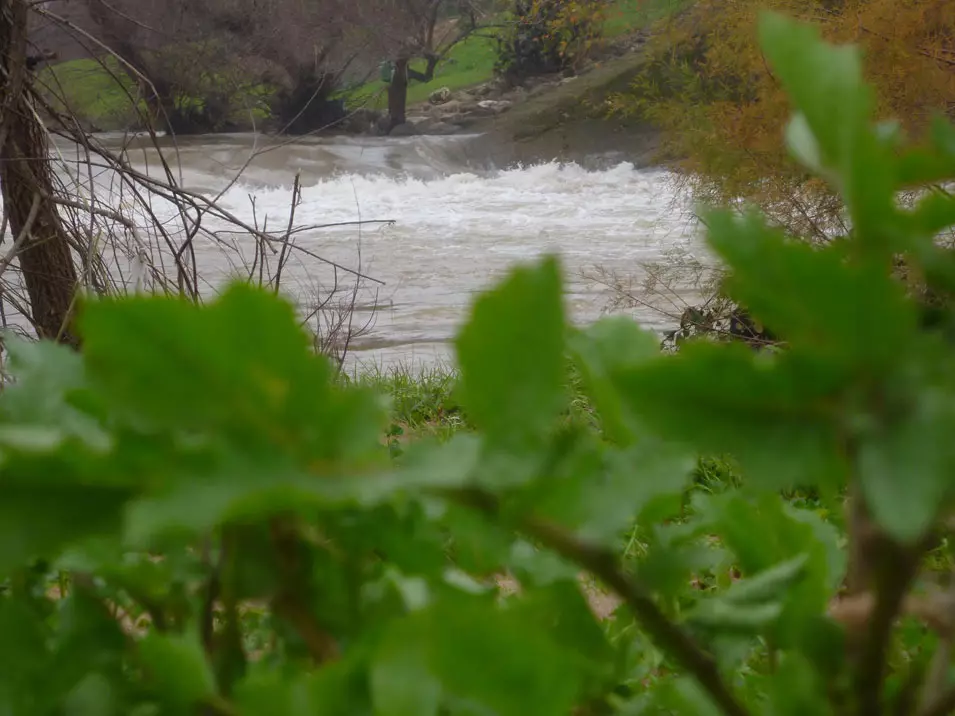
(455, 232)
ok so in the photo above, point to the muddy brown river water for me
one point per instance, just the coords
(458, 224)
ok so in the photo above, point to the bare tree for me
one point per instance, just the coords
(88, 219)
(405, 30)
(186, 70)
(40, 243)
(301, 48)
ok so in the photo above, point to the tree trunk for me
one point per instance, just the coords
(398, 95)
(26, 180)
(398, 89)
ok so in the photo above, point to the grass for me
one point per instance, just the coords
(422, 402)
(98, 92)
(471, 62)
(468, 63)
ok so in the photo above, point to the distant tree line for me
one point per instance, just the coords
(198, 65)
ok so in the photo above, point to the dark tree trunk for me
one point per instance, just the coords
(398, 95)
(26, 180)
(307, 106)
(398, 89)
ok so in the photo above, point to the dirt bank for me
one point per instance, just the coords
(568, 123)
(553, 118)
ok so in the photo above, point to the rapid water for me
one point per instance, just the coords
(457, 224)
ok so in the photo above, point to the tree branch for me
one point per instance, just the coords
(603, 564)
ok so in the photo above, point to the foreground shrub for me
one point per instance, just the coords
(198, 520)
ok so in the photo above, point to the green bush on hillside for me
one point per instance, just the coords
(200, 520)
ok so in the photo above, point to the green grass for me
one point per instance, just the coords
(472, 62)
(98, 91)
(468, 63)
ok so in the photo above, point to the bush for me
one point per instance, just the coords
(549, 36)
(197, 522)
(722, 108)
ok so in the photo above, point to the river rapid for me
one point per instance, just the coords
(450, 225)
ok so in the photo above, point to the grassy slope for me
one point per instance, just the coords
(98, 91)
(472, 62)
(95, 93)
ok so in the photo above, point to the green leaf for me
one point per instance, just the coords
(47, 376)
(511, 357)
(498, 660)
(599, 492)
(608, 345)
(835, 106)
(905, 465)
(768, 584)
(241, 367)
(401, 682)
(40, 519)
(802, 143)
(759, 408)
(727, 617)
(749, 606)
(813, 298)
(562, 609)
(92, 696)
(178, 667)
(336, 688)
(796, 689)
(763, 535)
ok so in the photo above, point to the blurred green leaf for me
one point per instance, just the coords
(401, 681)
(47, 376)
(835, 107)
(795, 689)
(511, 357)
(608, 345)
(498, 659)
(177, 665)
(768, 584)
(172, 365)
(724, 399)
(813, 298)
(752, 604)
(598, 492)
(905, 465)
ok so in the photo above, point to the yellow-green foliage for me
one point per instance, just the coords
(708, 85)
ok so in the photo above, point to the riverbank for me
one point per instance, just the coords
(546, 118)
(552, 119)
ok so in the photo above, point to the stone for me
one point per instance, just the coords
(452, 106)
(408, 129)
(440, 95)
(438, 128)
(494, 106)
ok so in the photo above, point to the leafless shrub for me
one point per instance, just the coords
(131, 225)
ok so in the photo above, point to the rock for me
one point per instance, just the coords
(540, 88)
(438, 128)
(440, 95)
(452, 106)
(494, 106)
(408, 129)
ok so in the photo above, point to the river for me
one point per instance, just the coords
(458, 224)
